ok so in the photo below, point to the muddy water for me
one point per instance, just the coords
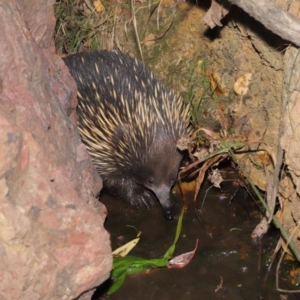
(225, 252)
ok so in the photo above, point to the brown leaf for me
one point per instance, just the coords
(215, 178)
(216, 12)
(207, 164)
(241, 85)
(260, 229)
(182, 260)
(99, 7)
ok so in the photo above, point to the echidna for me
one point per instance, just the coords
(130, 124)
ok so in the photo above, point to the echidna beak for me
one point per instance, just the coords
(163, 195)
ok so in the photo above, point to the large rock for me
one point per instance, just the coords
(52, 241)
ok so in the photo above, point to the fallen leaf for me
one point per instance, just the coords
(182, 260)
(260, 229)
(125, 249)
(217, 86)
(99, 7)
(241, 86)
(216, 12)
(215, 178)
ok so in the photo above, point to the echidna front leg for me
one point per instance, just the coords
(143, 196)
(137, 195)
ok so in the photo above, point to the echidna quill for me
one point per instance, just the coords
(130, 124)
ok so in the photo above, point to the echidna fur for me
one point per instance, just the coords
(130, 124)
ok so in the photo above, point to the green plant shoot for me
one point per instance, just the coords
(130, 265)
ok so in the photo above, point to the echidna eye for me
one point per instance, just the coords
(151, 181)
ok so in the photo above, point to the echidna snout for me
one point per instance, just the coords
(160, 193)
(158, 173)
(130, 124)
(163, 195)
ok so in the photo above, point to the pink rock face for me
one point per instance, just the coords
(52, 241)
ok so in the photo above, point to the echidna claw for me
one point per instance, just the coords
(146, 202)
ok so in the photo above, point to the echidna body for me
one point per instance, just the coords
(130, 124)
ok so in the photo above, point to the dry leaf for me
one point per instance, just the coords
(182, 260)
(260, 229)
(215, 178)
(216, 12)
(99, 7)
(183, 143)
(125, 249)
(241, 86)
(217, 86)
